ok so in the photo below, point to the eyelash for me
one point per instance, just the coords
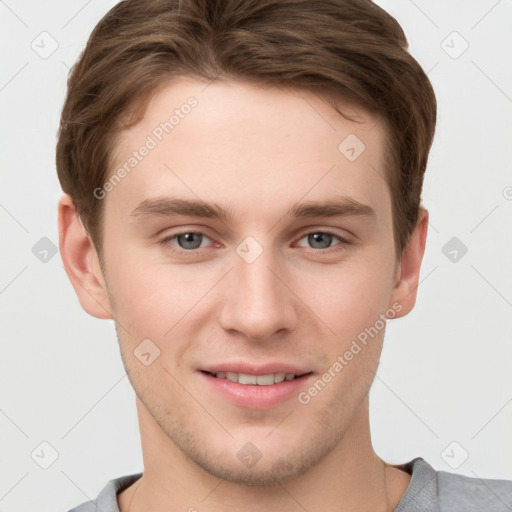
(165, 242)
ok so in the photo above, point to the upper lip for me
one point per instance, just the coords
(253, 369)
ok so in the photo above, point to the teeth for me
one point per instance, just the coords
(244, 378)
(260, 380)
(279, 377)
(233, 377)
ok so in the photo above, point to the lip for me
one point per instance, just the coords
(253, 396)
(252, 369)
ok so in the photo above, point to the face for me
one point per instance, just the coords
(285, 269)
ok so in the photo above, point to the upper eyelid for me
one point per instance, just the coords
(331, 233)
(342, 239)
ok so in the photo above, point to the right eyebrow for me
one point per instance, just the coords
(164, 206)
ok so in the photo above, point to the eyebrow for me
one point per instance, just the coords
(164, 206)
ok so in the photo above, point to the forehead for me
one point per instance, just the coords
(250, 146)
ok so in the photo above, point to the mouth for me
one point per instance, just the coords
(255, 388)
(257, 380)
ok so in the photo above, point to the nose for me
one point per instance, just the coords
(257, 302)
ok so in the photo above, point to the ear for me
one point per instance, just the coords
(81, 261)
(408, 268)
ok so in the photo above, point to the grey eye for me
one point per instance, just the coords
(189, 240)
(320, 240)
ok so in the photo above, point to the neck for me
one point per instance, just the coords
(351, 477)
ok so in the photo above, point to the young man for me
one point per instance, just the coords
(243, 198)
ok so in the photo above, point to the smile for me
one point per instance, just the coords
(255, 380)
(248, 390)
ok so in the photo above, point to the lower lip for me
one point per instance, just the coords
(256, 397)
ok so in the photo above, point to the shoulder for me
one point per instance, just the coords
(107, 498)
(473, 494)
(88, 506)
(431, 490)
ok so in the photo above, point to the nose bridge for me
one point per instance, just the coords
(257, 302)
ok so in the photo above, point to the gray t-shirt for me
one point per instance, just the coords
(428, 491)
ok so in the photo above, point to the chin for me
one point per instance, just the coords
(263, 473)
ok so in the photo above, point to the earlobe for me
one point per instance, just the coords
(408, 272)
(81, 261)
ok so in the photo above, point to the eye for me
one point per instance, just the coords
(188, 241)
(322, 239)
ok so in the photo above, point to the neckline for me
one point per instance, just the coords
(421, 485)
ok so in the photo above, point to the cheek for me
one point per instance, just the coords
(350, 296)
(152, 299)
(142, 297)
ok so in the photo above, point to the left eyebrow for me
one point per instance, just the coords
(342, 207)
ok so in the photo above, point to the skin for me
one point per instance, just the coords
(256, 152)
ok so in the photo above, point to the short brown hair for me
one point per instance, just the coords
(350, 48)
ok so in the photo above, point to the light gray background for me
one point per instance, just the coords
(445, 374)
